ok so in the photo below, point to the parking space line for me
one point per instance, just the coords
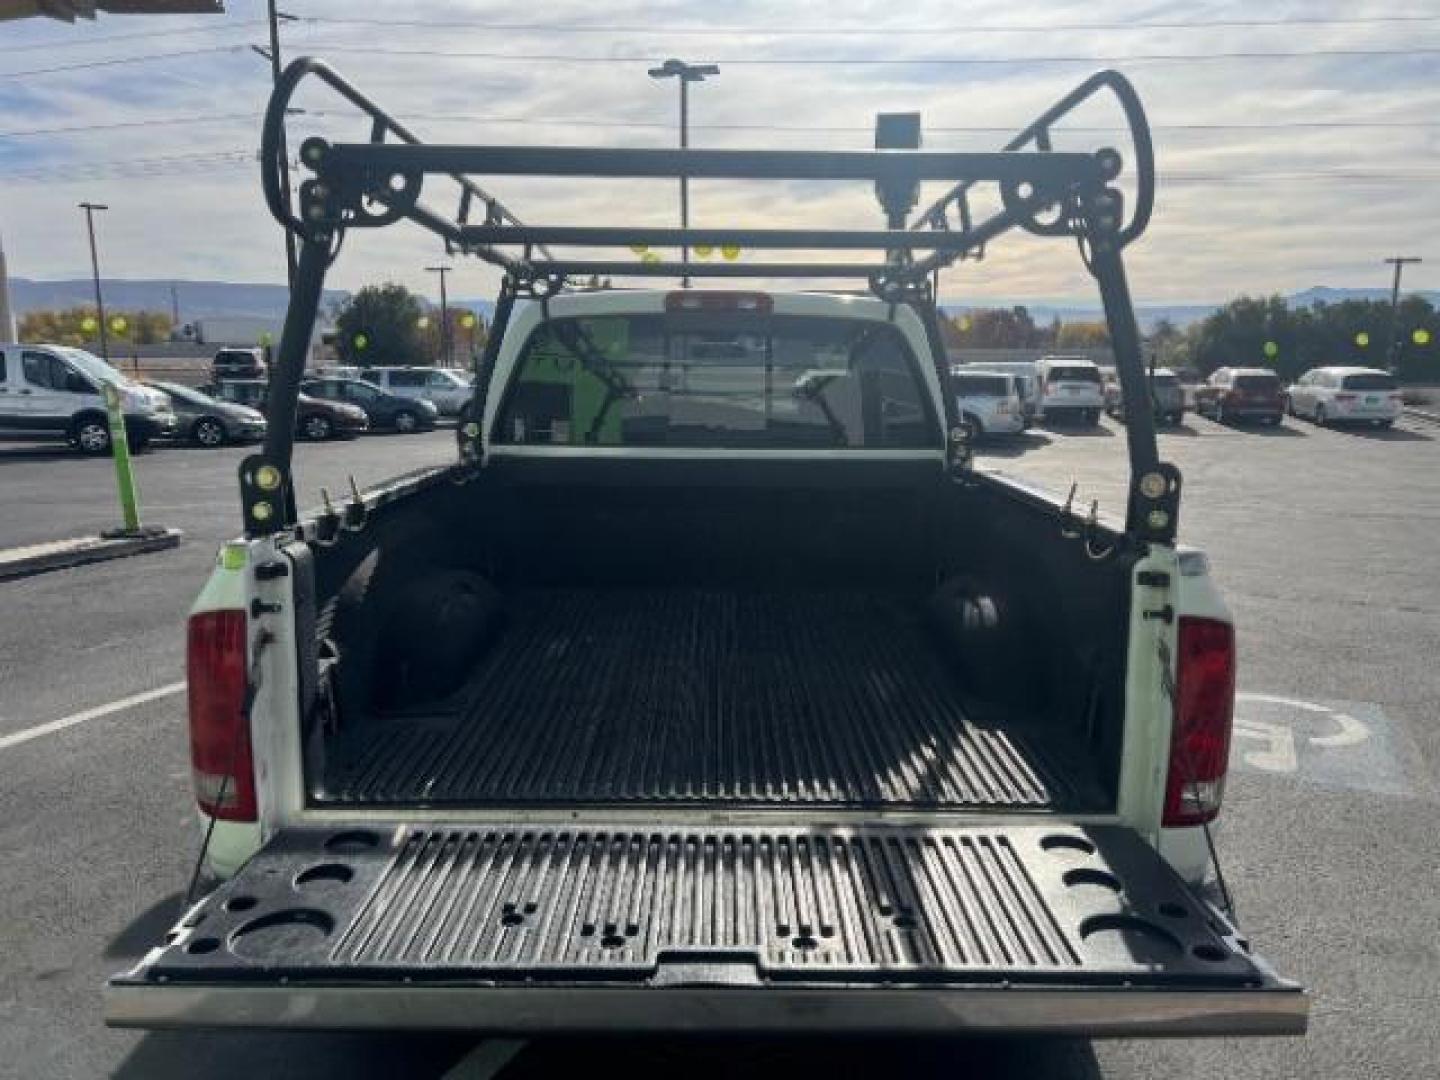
(7, 741)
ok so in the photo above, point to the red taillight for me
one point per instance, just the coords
(697, 300)
(220, 758)
(1204, 708)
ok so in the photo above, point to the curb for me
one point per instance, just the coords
(61, 554)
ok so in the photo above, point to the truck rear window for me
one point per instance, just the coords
(1369, 382)
(717, 380)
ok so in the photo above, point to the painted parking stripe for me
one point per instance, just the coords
(40, 730)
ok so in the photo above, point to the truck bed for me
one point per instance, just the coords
(700, 696)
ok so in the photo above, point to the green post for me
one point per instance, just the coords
(120, 448)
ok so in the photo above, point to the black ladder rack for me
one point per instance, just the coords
(381, 181)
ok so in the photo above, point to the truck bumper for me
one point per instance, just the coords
(590, 1009)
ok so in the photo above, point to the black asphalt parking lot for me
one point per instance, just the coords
(1326, 543)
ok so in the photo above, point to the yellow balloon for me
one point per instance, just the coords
(704, 250)
(89, 324)
(118, 324)
(1421, 336)
(1362, 339)
(731, 252)
(650, 257)
(639, 249)
(423, 322)
(467, 321)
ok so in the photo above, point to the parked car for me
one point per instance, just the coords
(1167, 397)
(1346, 395)
(55, 390)
(235, 363)
(1236, 394)
(385, 410)
(1071, 389)
(442, 387)
(208, 421)
(989, 401)
(1027, 383)
(315, 418)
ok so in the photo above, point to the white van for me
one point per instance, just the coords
(1071, 389)
(54, 390)
(1027, 381)
(990, 402)
(442, 387)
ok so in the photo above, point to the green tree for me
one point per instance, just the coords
(381, 324)
(1082, 335)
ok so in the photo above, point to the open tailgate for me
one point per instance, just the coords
(566, 928)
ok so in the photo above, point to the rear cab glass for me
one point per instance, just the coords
(1368, 381)
(717, 379)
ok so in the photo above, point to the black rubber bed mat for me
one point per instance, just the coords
(1021, 904)
(683, 696)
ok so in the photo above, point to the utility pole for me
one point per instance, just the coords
(1392, 357)
(273, 55)
(445, 355)
(686, 74)
(90, 208)
(7, 317)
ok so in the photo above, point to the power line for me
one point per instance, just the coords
(655, 125)
(227, 27)
(766, 61)
(867, 31)
(883, 61)
(116, 61)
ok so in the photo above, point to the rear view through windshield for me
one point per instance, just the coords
(717, 380)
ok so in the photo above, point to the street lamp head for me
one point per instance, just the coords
(93, 206)
(689, 72)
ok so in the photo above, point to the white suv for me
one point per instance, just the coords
(989, 401)
(447, 390)
(1071, 388)
(1346, 395)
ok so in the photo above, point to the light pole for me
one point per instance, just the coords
(444, 315)
(90, 208)
(1392, 359)
(686, 74)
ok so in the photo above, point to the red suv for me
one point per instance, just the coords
(1237, 395)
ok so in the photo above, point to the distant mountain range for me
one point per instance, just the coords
(195, 299)
(201, 299)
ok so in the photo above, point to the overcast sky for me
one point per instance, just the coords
(1276, 173)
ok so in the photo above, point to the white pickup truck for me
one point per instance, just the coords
(710, 690)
